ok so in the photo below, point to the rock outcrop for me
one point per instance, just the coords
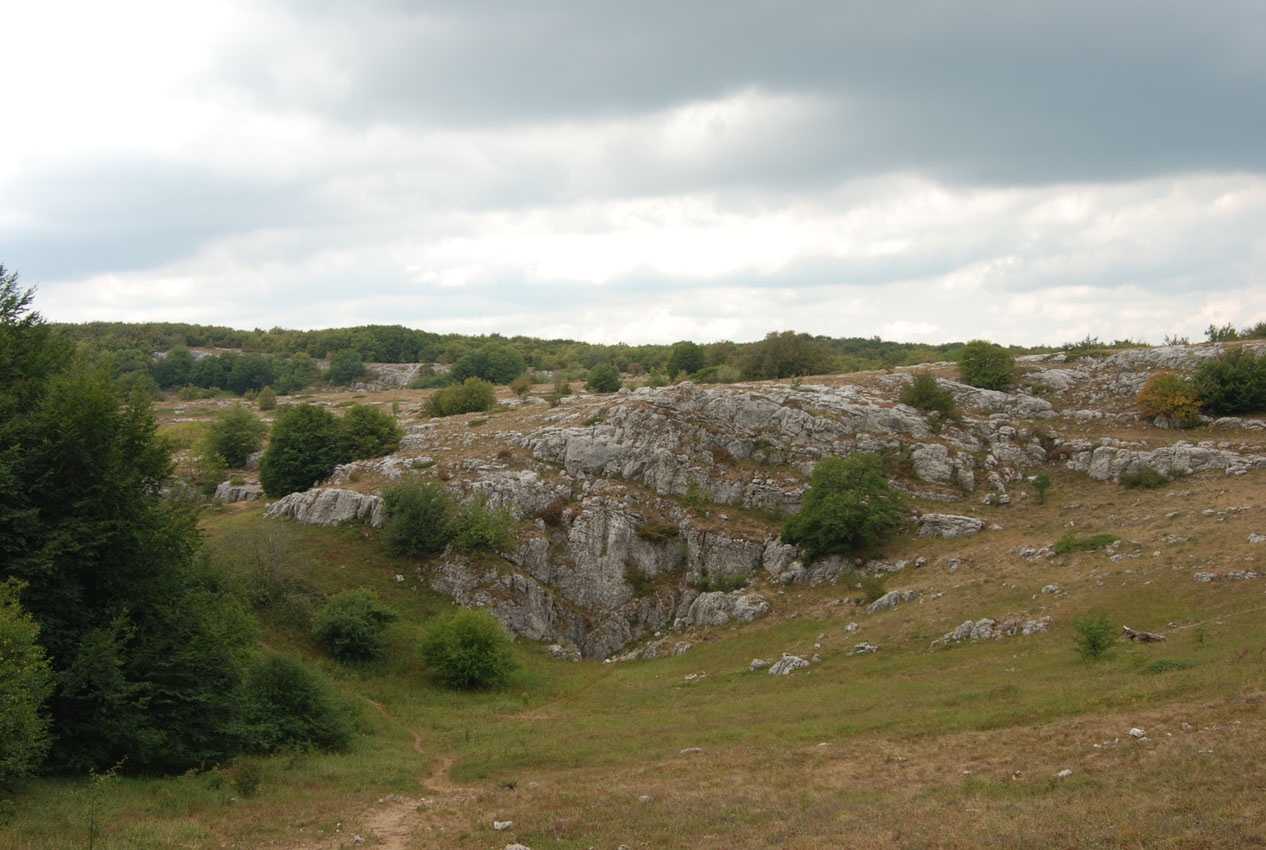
(328, 507)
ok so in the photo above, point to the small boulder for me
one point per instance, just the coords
(787, 664)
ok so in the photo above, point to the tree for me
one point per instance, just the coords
(1041, 483)
(1096, 634)
(290, 707)
(987, 366)
(145, 644)
(468, 650)
(849, 508)
(304, 449)
(925, 394)
(1170, 395)
(684, 356)
(786, 354)
(173, 370)
(603, 378)
(1233, 382)
(345, 367)
(503, 363)
(367, 431)
(25, 682)
(234, 434)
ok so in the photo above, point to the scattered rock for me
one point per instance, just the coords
(563, 653)
(949, 525)
(1137, 733)
(787, 664)
(1064, 774)
(228, 492)
(690, 751)
(864, 647)
(500, 825)
(758, 664)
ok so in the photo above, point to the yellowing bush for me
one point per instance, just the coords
(1172, 396)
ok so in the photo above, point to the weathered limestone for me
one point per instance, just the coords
(330, 506)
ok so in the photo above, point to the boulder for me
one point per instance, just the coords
(787, 664)
(329, 506)
(226, 492)
(949, 525)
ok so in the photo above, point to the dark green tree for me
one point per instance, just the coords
(469, 650)
(25, 682)
(345, 367)
(603, 378)
(684, 356)
(848, 509)
(304, 448)
(249, 372)
(786, 354)
(470, 396)
(351, 625)
(986, 365)
(419, 518)
(146, 646)
(173, 370)
(1232, 382)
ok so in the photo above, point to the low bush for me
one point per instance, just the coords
(480, 530)
(1041, 483)
(552, 514)
(1095, 634)
(267, 399)
(926, 395)
(1145, 479)
(1072, 543)
(987, 366)
(1172, 396)
(290, 707)
(470, 396)
(468, 650)
(351, 625)
(658, 532)
(1233, 382)
(1166, 665)
(721, 582)
(305, 447)
(874, 586)
(418, 518)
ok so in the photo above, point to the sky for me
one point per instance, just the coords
(1024, 172)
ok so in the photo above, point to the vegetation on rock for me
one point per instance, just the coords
(1172, 396)
(985, 365)
(848, 509)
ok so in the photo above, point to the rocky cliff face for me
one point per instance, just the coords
(658, 492)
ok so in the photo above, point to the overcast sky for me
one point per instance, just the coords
(641, 172)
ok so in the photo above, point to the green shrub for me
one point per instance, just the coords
(25, 682)
(874, 586)
(658, 532)
(1072, 543)
(468, 650)
(234, 434)
(1166, 665)
(479, 530)
(1095, 634)
(1145, 479)
(1041, 483)
(925, 394)
(1172, 396)
(368, 431)
(351, 625)
(431, 380)
(418, 518)
(721, 582)
(521, 385)
(987, 366)
(685, 356)
(267, 399)
(603, 378)
(470, 396)
(1233, 382)
(305, 447)
(292, 707)
(848, 508)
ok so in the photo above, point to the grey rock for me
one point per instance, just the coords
(228, 492)
(863, 648)
(758, 664)
(330, 506)
(949, 525)
(787, 664)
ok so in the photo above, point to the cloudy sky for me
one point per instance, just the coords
(645, 172)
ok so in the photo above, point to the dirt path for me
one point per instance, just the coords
(394, 819)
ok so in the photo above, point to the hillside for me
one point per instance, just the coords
(955, 712)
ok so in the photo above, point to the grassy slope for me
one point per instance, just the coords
(908, 747)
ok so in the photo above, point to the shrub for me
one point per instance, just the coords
(721, 582)
(1145, 479)
(267, 399)
(658, 532)
(1095, 634)
(468, 650)
(304, 449)
(351, 625)
(521, 385)
(1041, 483)
(479, 530)
(431, 380)
(1166, 665)
(368, 431)
(603, 378)
(1233, 382)
(1072, 543)
(848, 508)
(345, 367)
(291, 707)
(874, 586)
(925, 394)
(234, 434)
(1172, 396)
(470, 396)
(418, 518)
(552, 514)
(987, 366)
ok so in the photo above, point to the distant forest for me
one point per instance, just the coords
(168, 355)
